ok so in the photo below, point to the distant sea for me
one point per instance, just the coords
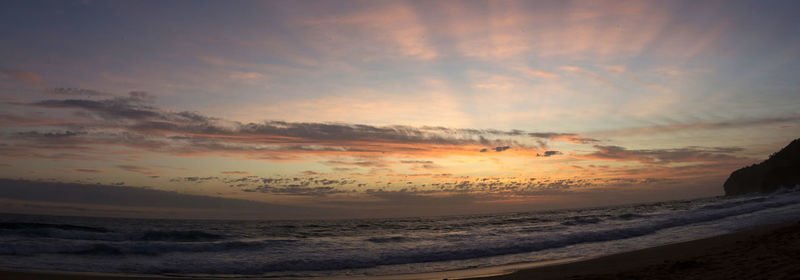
(371, 247)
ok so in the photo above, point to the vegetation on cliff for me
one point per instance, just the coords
(782, 169)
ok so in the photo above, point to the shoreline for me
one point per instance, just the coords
(767, 252)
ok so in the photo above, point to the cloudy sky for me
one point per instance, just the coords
(388, 108)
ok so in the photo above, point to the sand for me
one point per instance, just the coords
(771, 252)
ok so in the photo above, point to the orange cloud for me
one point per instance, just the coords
(540, 73)
(87, 170)
(235, 172)
(396, 24)
(246, 76)
(139, 169)
(615, 69)
(134, 122)
(27, 77)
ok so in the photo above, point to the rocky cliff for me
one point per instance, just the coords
(782, 169)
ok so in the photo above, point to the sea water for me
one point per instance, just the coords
(401, 247)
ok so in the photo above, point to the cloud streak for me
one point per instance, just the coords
(134, 121)
(314, 185)
(24, 76)
(663, 156)
(77, 92)
(549, 153)
(139, 169)
(728, 124)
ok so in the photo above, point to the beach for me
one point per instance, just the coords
(769, 252)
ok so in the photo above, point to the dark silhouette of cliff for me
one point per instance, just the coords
(782, 169)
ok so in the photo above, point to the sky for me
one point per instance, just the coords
(337, 109)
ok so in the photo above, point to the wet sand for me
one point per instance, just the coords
(771, 252)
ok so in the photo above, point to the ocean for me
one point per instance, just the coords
(423, 247)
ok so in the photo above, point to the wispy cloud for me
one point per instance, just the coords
(134, 121)
(139, 169)
(615, 69)
(361, 163)
(295, 189)
(417, 161)
(88, 170)
(50, 134)
(549, 153)
(235, 172)
(24, 76)
(688, 126)
(77, 92)
(664, 156)
(395, 26)
(498, 187)
(247, 77)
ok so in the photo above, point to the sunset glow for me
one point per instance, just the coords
(392, 108)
